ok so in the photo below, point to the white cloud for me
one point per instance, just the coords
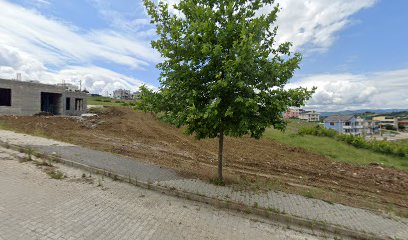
(43, 2)
(94, 79)
(55, 43)
(13, 60)
(311, 25)
(336, 92)
(99, 80)
(131, 19)
(48, 50)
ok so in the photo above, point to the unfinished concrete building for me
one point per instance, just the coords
(29, 98)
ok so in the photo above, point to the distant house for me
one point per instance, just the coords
(370, 127)
(122, 94)
(387, 121)
(345, 124)
(68, 86)
(293, 112)
(310, 116)
(354, 125)
(29, 98)
(125, 94)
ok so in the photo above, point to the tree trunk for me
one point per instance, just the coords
(220, 153)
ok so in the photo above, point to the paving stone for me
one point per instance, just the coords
(312, 209)
(33, 206)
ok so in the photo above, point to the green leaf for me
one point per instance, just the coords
(222, 69)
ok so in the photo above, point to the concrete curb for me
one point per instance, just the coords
(313, 225)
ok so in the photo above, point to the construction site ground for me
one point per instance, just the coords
(255, 165)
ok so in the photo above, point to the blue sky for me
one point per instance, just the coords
(375, 41)
(354, 51)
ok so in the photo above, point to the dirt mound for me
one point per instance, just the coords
(258, 164)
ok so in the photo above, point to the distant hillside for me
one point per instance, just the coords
(359, 111)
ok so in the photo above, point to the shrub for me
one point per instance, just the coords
(383, 146)
(359, 142)
(55, 174)
(389, 127)
(317, 131)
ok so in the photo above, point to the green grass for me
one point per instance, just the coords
(4, 126)
(106, 101)
(333, 149)
(403, 142)
(294, 125)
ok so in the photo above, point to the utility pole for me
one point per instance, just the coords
(80, 85)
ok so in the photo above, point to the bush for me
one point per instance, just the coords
(317, 131)
(167, 118)
(389, 127)
(385, 147)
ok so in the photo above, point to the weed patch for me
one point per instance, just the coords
(43, 163)
(217, 182)
(55, 174)
(29, 153)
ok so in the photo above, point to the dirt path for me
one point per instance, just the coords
(257, 164)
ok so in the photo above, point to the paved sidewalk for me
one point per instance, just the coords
(310, 209)
(34, 206)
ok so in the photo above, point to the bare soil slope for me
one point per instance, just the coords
(256, 164)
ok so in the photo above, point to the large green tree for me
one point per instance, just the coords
(223, 73)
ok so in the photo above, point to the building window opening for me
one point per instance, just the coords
(51, 103)
(5, 97)
(79, 104)
(68, 103)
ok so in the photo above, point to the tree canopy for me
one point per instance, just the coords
(223, 71)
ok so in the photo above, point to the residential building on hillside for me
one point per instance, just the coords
(370, 127)
(345, 124)
(387, 121)
(293, 112)
(122, 94)
(125, 94)
(403, 122)
(68, 86)
(310, 116)
(29, 98)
